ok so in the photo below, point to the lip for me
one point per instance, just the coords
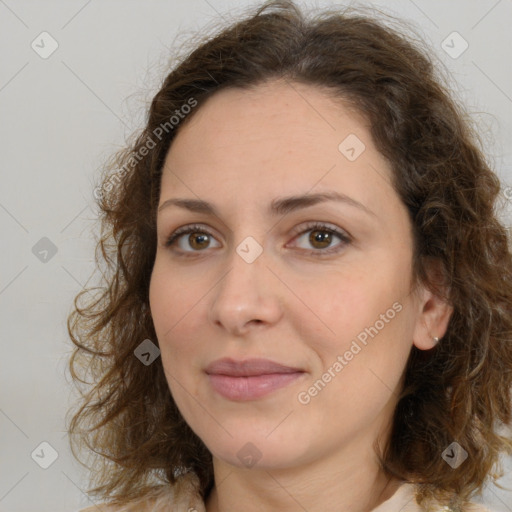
(250, 379)
(248, 367)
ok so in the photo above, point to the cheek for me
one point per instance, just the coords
(174, 306)
(365, 320)
(346, 303)
(360, 367)
(172, 298)
(174, 323)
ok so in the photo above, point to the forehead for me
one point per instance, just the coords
(275, 114)
(279, 137)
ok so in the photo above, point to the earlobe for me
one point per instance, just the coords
(432, 324)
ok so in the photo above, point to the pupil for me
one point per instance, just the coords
(322, 237)
(195, 237)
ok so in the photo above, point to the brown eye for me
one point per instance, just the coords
(197, 240)
(320, 239)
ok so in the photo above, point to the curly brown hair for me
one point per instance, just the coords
(460, 390)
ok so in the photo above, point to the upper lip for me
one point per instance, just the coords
(247, 368)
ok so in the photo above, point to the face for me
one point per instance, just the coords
(319, 285)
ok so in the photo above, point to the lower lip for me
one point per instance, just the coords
(251, 388)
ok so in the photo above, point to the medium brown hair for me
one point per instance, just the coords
(458, 391)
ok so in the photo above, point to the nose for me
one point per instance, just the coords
(247, 297)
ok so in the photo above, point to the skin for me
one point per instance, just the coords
(240, 150)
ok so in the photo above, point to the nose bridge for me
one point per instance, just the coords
(245, 266)
(243, 294)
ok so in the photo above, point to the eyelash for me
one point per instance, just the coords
(195, 228)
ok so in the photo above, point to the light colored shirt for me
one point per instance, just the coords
(184, 497)
(403, 500)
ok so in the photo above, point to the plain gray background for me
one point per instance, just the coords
(61, 116)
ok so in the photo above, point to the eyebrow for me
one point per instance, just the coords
(279, 206)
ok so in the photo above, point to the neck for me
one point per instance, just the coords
(348, 483)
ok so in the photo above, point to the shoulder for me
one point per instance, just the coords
(183, 495)
(100, 507)
(475, 507)
(404, 499)
(133, 507)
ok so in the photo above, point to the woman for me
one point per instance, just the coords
(308, 300)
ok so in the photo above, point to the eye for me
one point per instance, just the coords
(320, 237)
(199, 238)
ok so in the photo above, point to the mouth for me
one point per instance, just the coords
(250, 379)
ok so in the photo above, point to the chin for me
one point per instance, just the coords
(254, 450)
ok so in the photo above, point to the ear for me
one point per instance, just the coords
(434, 312)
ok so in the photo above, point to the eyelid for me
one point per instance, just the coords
(187, 229)
(308, 226)
(343, 235)
(298, 231)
